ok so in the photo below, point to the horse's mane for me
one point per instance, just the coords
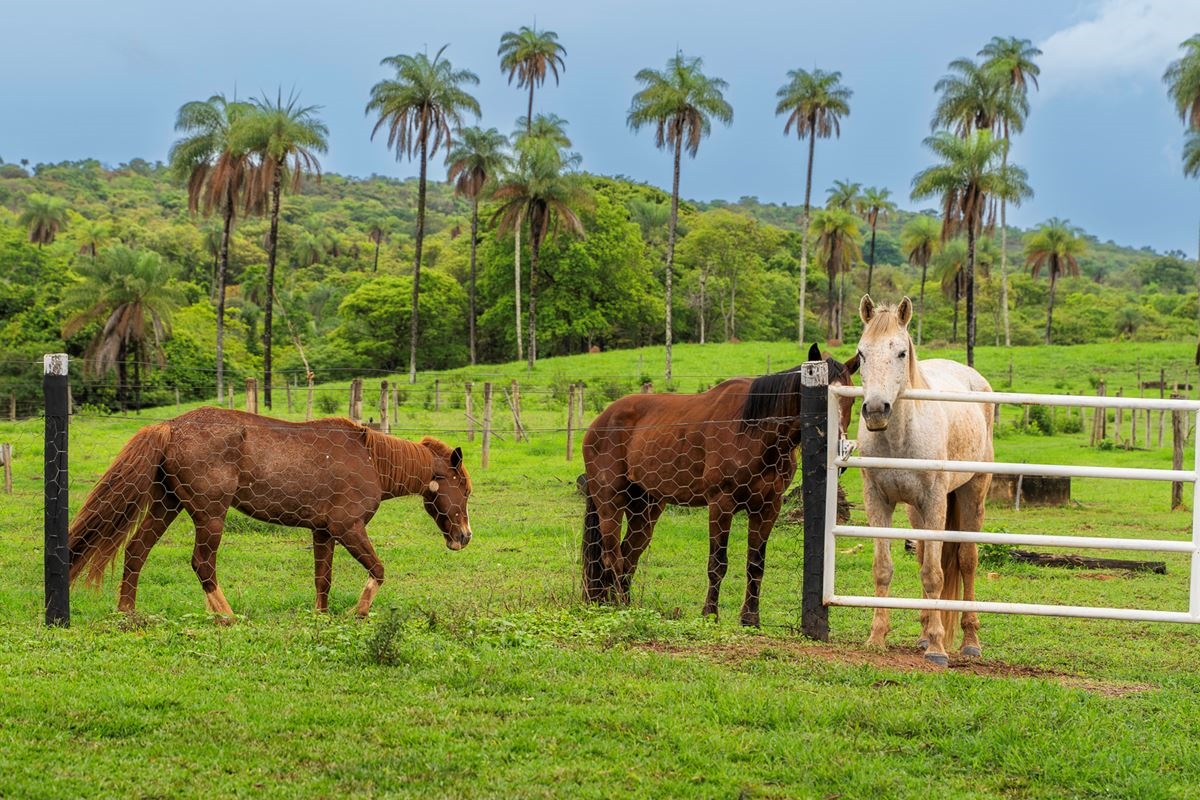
(778, 394)
(886, 323)
(405, 464)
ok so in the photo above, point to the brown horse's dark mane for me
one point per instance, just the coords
(777, 395)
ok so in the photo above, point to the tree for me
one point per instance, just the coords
(91, 235)
(543, 190)
(478, 157)
(875, 207)
(286, 137)
(970, 172)
(377, 232)
(680, 102)
(1183, 86)
(418, 107)
(814, 103)
(921, 240)
(1011, 62)
(951, 267)
(217, 170)
(839, 242)
(1055, 246)
(131, 293)
(529, 55)
(845, 195)
(43, 217)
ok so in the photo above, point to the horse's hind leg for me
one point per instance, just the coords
(641, 514)
(759, 530)
(719, 520)
(358, 545)
(969, 502)
(164, 507)
(322, 567)
(204, 561)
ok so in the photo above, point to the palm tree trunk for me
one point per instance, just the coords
(970, 293)
(703, 281)
(375, 268)
(517, 286)
(222, 272)
(671, 246)
(272, 250)
(471, 287)
(812, 145)
(416, 290)
(871, 259)
(831, 299)
(1050, 305)
(535, 245)
(1004, 246)
(921, 302)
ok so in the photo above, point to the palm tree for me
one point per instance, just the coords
(971, 97)
(1056, 246)
(1011, 62)
(971, 172)
(478, 157)
(44, 217)
(839, 242)
(814, 103)
(419, 106)
(286, 137)
(921, 240)
(543, 190)
(131, 292)
(680, 102)
(528, 55)
(845, 195)
(875, 207)
(377, 233)
(1183, 86)
(91, 235)
(951, 267)
(217, 171)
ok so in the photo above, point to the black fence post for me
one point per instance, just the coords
(814, 406)
(57, 556)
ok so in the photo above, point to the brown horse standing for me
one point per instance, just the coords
(731, 448)
(328, 475)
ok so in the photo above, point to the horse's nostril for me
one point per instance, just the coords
(887, 408)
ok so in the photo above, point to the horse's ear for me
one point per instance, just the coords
(905, 311)
(866, 308)
(814, 352)
(456, 458)
(852, 364)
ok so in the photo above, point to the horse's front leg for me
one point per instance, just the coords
(879, 515)
(719, 520)
(932, 516)
(204, 561)
(355, 540)
(641, 517)
(758, 531)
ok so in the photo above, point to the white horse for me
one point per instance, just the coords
(926, 429)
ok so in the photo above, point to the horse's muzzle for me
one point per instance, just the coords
(876, 415)
(458, 539)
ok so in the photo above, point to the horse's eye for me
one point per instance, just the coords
(902, 354)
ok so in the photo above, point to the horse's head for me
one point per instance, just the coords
(885, 357)
(446, 494)
(840, 374)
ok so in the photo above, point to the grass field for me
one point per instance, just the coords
(481, 674)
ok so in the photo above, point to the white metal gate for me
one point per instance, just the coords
(839, 456)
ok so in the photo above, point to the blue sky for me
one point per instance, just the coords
(1102, 145)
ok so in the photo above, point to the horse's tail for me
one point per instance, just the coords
(593, 563)
(951, 575)
(116, 506)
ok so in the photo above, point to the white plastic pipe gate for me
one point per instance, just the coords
(839, 456)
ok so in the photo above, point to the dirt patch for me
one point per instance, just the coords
(893, 658)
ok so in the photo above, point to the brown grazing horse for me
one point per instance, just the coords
(329, 476)
(731, 448)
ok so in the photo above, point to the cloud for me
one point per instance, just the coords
(1129, 41)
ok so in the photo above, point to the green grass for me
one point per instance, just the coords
(480, 673)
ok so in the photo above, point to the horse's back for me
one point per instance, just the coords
(970, 423)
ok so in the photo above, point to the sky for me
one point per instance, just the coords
(1102, 144)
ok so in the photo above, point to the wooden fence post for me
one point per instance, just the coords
(384, 425)
(287, 385)
(252, 395)
(570, 422)
(814, 410)
(485, 450)
(56, 555)
(469, 410)
(309, 398)
(12, 407)
(6, 457)
(356, 399)
(1117, 421)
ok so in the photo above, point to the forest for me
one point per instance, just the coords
(345, 280)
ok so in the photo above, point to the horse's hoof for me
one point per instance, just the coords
(750, 620)
(876, 644)
(941, 659)
(971, 650)
(922, 643)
